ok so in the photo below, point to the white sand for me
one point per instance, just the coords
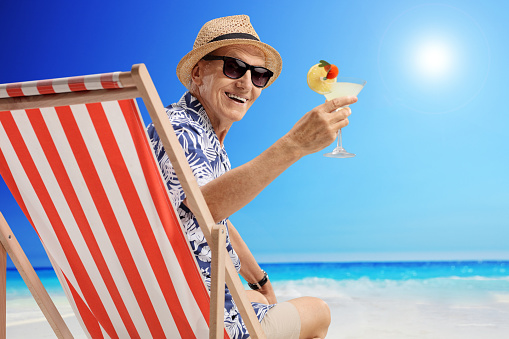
(396, 318)
(26, 320)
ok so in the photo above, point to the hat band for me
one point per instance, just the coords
(234, 36)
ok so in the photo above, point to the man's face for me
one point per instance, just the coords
(227, 100)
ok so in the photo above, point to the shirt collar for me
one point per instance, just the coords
(195, 109)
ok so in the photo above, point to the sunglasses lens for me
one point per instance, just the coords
(234, 68)
(260, 76)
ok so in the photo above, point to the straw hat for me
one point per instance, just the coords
(220, 32)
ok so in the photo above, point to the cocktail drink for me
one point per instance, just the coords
(345, 87)
(342, 88)
(321, 81)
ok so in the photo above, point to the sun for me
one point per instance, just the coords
(434, 59)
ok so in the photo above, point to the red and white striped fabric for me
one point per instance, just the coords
(62, 85)
(87, 179)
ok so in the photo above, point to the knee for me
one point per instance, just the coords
(315, 317)
(324, 310)
(322, 318)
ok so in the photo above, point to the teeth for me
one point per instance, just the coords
(233, 96)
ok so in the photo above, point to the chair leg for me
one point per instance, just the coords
(3, 292)
(217, 283)
(10, 244)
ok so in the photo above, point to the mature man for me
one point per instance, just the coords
(225, 73)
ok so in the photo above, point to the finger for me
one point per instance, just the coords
(340, 124)
(340, 114)
(332, 105)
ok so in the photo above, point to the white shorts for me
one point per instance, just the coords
(282, 322)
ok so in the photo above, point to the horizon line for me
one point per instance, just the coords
(361, 257)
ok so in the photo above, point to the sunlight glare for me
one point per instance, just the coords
(433, 59)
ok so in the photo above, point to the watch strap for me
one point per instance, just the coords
(258, 285)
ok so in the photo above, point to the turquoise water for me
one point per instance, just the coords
(472, 275)
(456, 282)
(459, 281)
(488, 274)
(16, 286)
(388, 270)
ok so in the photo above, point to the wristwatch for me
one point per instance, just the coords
(258, 285)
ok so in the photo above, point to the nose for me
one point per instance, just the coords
(245, 81)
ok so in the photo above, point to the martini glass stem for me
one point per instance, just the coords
(340, 140)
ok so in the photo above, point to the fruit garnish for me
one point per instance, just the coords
(317, 78)
(332, 70)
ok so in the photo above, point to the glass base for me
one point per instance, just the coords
(339, 152)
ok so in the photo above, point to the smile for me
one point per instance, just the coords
(236, 98)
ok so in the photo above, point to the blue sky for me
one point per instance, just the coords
(429, 130)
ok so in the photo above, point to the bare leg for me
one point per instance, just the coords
(315, 317)
(256, 297)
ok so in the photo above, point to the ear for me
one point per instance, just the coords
(197, 73)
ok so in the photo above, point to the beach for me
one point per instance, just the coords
(367, 309)
(367, 300)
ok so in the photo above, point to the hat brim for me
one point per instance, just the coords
(273, 60)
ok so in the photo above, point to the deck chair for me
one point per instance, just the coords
(76, 157)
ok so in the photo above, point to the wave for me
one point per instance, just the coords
(389, 270)
(480, 278)
(446, 287)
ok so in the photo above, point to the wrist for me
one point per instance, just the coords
(259, 284)
(291, 148)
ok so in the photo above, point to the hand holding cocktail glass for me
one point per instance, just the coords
(322, 78)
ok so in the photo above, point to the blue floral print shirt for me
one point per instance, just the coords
(208, 160)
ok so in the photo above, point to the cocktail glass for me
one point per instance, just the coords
(343, 87)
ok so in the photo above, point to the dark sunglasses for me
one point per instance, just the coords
(235, 69)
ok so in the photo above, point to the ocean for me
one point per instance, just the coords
(367, 300)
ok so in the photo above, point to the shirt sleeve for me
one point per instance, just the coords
(191, 139)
